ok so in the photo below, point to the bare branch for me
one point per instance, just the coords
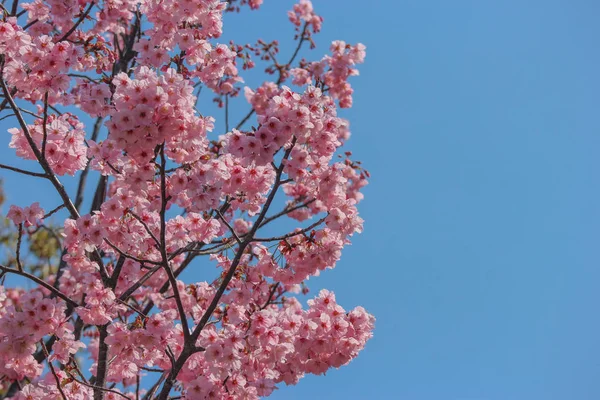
(18, 255)
(22, 171)
(55, 210)
(44, 127)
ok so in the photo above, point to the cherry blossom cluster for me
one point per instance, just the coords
(37, 65)
(61, 138)
(151, 109)
(46, 388)
(29, 216)
(333, 71)
(24, 326)
(303, 12)
(257, 349)
(171, 191)
(92, 98)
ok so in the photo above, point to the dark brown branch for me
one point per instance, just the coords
(114, 279)
(134, 258)
(291, 234)
(155, 387)
(246, 118)
(83, 77)
(101, 364)
(12, 93)
(18, 255)
(53, 211)
(273, 290)
(30, 24)
(188, 260)
(44, 127)
(74, 361)
(84, 175)
(22, 171)
(41, 283)
(235, 235)
(286, 211)
(139, 283)
(302, 39)
(146, 227)
(13, 10)
(163, 244)
(41, 159)
(97, 387)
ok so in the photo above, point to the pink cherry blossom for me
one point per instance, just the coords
(269, 202)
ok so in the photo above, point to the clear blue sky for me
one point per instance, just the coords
(480, 124)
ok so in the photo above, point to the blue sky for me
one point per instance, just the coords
(479, 123)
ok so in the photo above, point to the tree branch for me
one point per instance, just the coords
(79, 21)
(101, 363)
(84, 175)
(22, 171)
(163, 244)
(291, 234)
(41, 283)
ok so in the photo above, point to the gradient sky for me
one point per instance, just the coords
(479, 123)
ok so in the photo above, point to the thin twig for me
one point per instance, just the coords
(285, 211)
(79, 21)
(41, 283)
(291, 234)
(139, 283)
(270, 296)
(134, 258)
(24, 172)
(235, 235)
(74, 361)
(97, 387)
(141, 221)
(55, 210)
(281, 75)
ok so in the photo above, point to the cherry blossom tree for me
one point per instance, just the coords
(108, 90)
